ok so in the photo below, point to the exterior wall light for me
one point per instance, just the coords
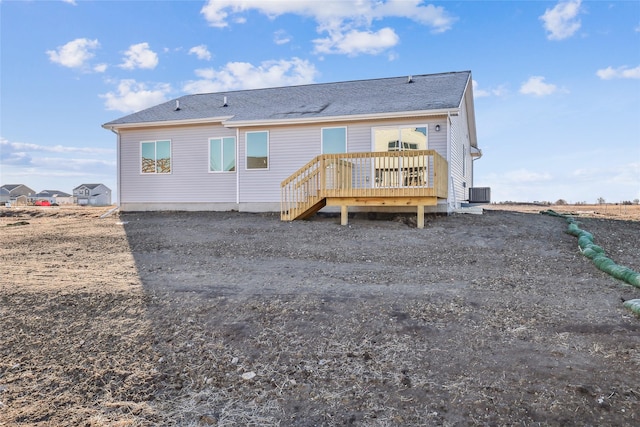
(437, 128)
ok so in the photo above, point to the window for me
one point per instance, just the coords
(257, 150)
(334, 140)
(156, 156)
(403, 169)
(222, 154)
(400, 138)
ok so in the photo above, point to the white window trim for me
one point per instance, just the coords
(346, 138)
(235, 150)
(246, 142)
(155, 153)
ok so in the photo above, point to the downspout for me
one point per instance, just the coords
(238, 168)
(118, 162)
(449, 177)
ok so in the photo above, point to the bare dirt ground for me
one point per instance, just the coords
(197, 319)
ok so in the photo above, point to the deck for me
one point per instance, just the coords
(391, 178)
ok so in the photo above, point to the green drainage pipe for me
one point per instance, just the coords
(633, 305)
(596, 254)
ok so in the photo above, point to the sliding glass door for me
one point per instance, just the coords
(402, 170)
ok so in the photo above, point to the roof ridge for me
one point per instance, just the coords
(321, 84)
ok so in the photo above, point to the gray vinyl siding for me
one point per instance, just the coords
(460, 161)
(189, 180)
(456, 192)
(290, 148)
(438, 140)
(191, 184)
(359, 134)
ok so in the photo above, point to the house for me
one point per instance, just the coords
(4, 195)
(92, 195)
(53, 197)
(15, 194)
(380, 143)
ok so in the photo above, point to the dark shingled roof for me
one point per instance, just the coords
(89, 186)
(362, 97)
(56, 193)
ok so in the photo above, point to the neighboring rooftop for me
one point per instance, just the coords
(52, 193)
(11, 187)
(362, 97)
(89, 186)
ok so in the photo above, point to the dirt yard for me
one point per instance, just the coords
(227, 319)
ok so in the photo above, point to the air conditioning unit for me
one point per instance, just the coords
(479, 195)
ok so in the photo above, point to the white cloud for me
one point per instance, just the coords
(392, 56)
(622, 177)
(243, 75)
(57, 167)
(281, 37)
(348, 24)
(28, 155)
(561, 22)
(100, 68)
(481, 92)
(433, 16)
(11, 153)
(139, 56)
(619, 73)
(519, 185)
(74, 167)
(28, 147)
(522, 176)
(537, 87)
(71, 2)
(201, 52)
(614, 181)
(355, 42)
(217, 12)
(74, 54)
(133, 96)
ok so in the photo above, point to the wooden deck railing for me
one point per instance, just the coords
(396, 174)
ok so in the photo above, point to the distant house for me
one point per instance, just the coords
(16, 194)
(92, 195)
(4, 195)
(53, 196)
(389, 142)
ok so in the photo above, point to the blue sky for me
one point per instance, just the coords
(556, 84)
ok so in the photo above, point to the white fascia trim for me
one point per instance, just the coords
(206, 120)
(354, 117)
(227, 121)
(467, 100)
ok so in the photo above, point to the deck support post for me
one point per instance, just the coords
(418, 202)
(420, 222)
(344, 215)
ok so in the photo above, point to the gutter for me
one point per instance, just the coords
(228, 122)
(238, 168)
(450, 186)
(203, 121)
(354, 117)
